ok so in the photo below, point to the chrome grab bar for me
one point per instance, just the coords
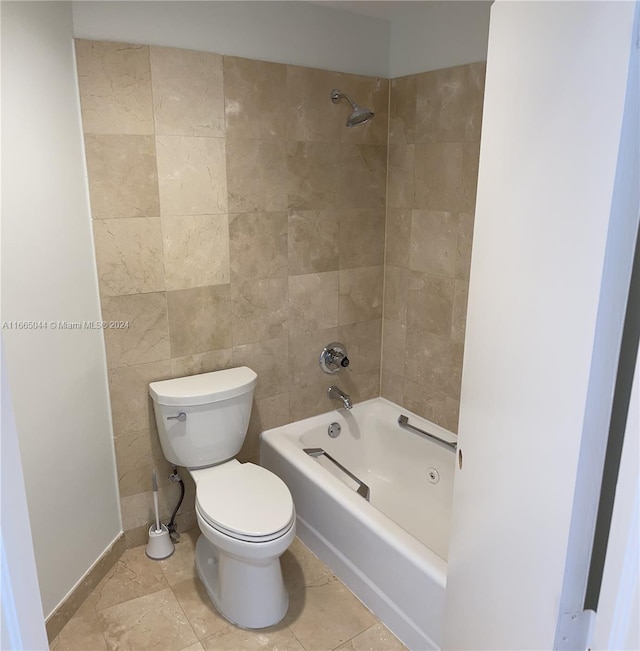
(403, 421)
(363, 489)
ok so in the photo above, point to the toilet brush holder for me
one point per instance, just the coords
(160, 545)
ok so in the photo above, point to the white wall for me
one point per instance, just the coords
(22, 619)
(554, 99)
(58, 378)
(433, 35)
(298, 33)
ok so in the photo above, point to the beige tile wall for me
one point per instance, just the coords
(237, 221)
(434, 134)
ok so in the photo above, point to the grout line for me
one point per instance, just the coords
(185, 616)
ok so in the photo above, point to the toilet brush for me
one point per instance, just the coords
(160, 545)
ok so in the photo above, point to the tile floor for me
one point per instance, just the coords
(160, 606)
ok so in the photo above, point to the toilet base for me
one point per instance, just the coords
(250, 594)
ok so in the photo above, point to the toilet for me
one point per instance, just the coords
(245, 513)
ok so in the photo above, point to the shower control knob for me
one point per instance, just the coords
(334, 357)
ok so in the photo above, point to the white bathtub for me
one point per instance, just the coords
(392, 550)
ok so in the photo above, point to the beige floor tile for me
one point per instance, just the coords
(152, 622)
(301, 567)
(134, 609)
(134, 575)
(180, 566)
(330, 616)
(376, 638)
(81, 633)
(238, 639)
(197, 606)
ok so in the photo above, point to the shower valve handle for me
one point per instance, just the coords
(334, 357)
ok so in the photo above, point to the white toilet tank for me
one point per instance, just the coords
(203, 419)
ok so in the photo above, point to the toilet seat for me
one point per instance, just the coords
(244, 501)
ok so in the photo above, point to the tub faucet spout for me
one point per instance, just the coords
(337, 394)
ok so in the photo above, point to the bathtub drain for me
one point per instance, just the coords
(334, 430)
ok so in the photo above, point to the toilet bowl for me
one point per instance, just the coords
(247, 520)
(245, 512)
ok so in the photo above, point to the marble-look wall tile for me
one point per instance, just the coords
(137, 509)
(311, 115)
(431, 362)
(430, 304)
(396, 284)
(191, 175)
(313, 302)
(145, 338)
(256, 173)
(259, 310)
(270, 360)
(442, 110)
(311, 401)
(258, 246)
(361, 238)
(459, 313)
(137, 455)
(266, 413)
(425, 306)
(129, 255)
(360, 296)
(470, 160)
(464, 245)
(199, 319)
(115, 87)
(188, 98)
(313, 174)
(255, 100)
(361, 386)
(477, 73)
(438, 176)
(122, 176)
(433, 246)
(363, 176)
(363, 341)
(131, 405)
(394, 344)
(402, 110)
(392, 386)
(313, 237)
(400, 177)
(398, 237)
(196, 251)
(214, 360)
(436, 407)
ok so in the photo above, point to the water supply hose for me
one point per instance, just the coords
(175, 477)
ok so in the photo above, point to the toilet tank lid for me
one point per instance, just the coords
(204, 388)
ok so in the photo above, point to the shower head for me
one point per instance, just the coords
(359, 115)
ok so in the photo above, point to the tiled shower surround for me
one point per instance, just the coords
(238, 221)
(434, 145)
